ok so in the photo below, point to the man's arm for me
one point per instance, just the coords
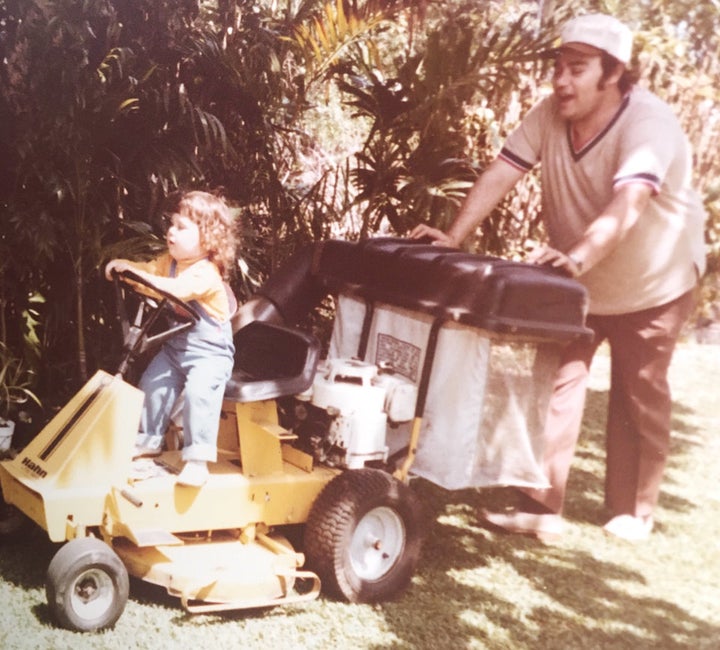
(488, 190)
(603, 234)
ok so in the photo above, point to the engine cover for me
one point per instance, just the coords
(360, 400)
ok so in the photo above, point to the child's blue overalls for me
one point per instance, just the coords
(199, 360)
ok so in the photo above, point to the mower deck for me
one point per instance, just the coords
(222, 570)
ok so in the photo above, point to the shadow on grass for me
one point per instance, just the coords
(586, 487)
(578, 599)
(24, 562)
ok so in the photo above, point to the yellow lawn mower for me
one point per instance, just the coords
(438, 366)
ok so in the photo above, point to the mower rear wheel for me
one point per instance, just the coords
(363, 536)
(87, 585)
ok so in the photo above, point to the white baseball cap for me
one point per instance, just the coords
(600, 31)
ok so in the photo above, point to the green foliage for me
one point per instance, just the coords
(98, 126)
(458, 69)
(417, 102)
(16, 380)
(317, 118)
(335, 29)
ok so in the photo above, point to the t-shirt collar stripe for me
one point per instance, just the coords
(577, 155)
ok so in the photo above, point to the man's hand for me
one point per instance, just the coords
(555, 258)
(438, 237)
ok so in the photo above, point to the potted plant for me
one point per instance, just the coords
(15, 382)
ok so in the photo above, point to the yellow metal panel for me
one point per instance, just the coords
(260, 451)
(21, 496)
(228, 440)
(89, 440)
(72, 463)
(265, 411)
(229, 499)
(151, 537)
(260, 438)
(103, 451)
(73, 507)
(298, 458)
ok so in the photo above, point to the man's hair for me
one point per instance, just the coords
(609, 64)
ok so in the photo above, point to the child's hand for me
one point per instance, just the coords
(116, 265)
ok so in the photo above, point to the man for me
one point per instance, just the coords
(622, 217)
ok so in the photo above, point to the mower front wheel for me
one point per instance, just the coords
(363, 536)
(87, 585)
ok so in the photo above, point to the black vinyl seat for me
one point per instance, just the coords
(271, 361)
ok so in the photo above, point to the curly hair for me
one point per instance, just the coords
(214, 219)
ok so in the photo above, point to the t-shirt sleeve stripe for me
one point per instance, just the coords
(516, 161)
(649, 179)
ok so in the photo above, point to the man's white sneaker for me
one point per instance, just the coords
(629, 528)
(194, 474)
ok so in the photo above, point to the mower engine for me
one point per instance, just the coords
(342, 419)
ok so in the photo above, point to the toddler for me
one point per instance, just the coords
(201, 249)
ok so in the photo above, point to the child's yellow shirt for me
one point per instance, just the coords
(199, 280)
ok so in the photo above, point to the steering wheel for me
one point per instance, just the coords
(137, 338)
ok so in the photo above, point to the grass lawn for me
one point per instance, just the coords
(474, 588)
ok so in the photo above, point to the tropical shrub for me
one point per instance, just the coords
(317, 118)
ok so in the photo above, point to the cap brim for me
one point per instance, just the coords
(581, 48)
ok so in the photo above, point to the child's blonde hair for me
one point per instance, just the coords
(214, 219)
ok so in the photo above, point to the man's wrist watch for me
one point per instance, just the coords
(577, 262)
